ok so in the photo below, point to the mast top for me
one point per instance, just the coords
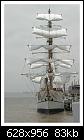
(49, 11)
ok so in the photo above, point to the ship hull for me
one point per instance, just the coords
(50, 107)
(51, 101)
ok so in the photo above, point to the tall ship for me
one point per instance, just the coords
(50, 98)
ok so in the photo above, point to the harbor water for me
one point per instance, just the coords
(24, 109)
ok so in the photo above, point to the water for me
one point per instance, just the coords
(24, 109)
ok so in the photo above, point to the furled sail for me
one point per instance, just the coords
(49, 17)
(45, 60)
(67, 62)
(64, 65)
(49, 47)
(64, 47)
(42, 73)
(50, 34)
(34, 47)
(32, 75)
(38, 65)
(34, 60)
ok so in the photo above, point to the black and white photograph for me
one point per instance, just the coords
(42, 56)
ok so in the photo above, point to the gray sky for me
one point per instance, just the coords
(19, 20)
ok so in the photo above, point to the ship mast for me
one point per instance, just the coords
(50, 52)
(50, 75)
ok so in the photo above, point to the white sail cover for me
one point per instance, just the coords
(49, 17)
(50, 34)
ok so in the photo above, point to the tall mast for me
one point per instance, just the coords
(50, 51)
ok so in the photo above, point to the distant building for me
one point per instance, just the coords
(74, 92)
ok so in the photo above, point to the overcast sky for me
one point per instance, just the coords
(18, 22)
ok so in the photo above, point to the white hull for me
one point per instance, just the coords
(50, 106)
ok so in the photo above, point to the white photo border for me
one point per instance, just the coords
(2, 63)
